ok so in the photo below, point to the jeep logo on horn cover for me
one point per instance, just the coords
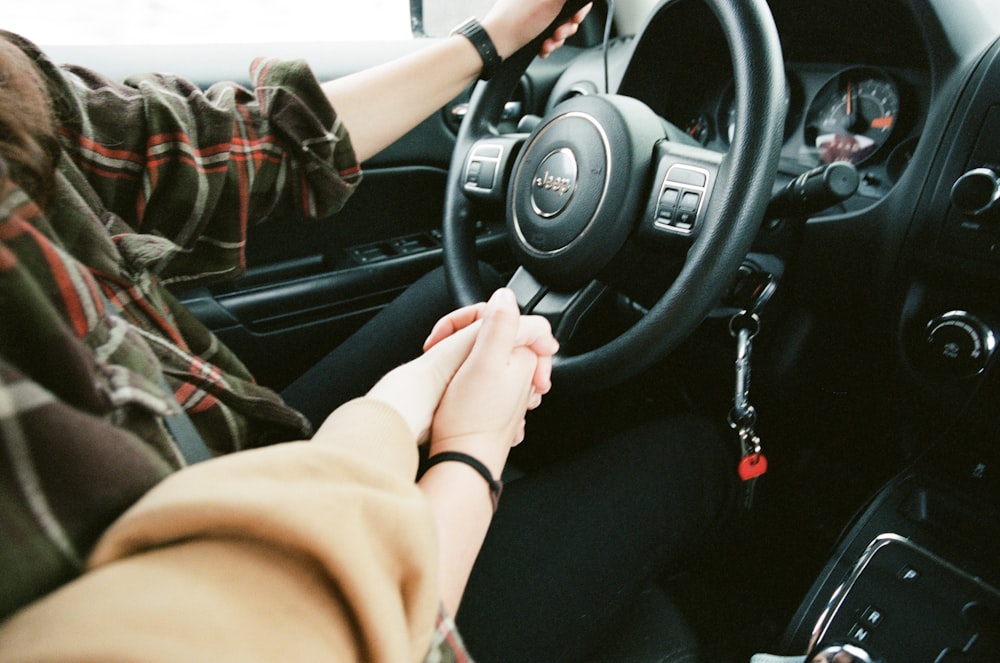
(560, 185)
(553, 184)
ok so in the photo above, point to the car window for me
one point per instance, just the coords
(104, 22)
(440, 16)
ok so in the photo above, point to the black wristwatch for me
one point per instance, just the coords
(473, 30)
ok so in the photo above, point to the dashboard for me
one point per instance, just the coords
(891, 299)
(858, 83)
(900, 89)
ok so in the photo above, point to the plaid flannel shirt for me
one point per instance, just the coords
(157, 184)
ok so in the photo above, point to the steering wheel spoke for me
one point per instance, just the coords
(565, 310)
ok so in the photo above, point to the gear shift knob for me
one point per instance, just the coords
(841, 654)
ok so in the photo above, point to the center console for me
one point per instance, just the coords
(880, 611)
(917, 577)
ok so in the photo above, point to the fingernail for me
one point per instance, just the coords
(504, 297)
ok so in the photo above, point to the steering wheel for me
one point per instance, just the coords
(596, 183)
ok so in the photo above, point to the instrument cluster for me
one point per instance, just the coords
(854, 113)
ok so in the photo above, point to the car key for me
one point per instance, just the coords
(742, 418)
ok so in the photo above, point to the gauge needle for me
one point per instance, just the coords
(852, 115)
(884, 123)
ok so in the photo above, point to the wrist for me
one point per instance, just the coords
(473, 31)
(484, 448)
(456, 458)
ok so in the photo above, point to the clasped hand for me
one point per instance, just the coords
(484, 366)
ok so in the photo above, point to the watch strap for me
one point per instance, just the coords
(473, 30)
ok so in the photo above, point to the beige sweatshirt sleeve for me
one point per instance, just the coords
(318, 551)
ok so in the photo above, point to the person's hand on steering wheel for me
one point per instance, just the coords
(513, 23)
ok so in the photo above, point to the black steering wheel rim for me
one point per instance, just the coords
(732, 215)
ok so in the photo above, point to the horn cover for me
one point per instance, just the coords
(578, 185)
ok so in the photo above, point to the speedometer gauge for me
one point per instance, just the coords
(852, 116)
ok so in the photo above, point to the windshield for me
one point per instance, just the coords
(101, 22)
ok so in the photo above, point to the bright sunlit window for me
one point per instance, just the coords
(205, 21)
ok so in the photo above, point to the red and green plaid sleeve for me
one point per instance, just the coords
(157, 183)
(195, 167)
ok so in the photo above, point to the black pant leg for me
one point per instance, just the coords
(574, 543)
(570, 545)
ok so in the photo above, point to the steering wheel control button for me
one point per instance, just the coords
(667, 208)
(554, 183)
(690, 201)
(669, 198)
(689, 176)
(472, 178)
(481, 171)
(680, 199)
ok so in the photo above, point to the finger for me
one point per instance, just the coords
(451, 323)
(500, 322)
(523, 363)
(572, 23)
(519, 435)
(535, 332)
(541, 381)
(548, 48)
(445, 357)
(564, 31)
(570, 27)
(551, 45)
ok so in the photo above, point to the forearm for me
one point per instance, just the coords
(461, 508)
(381, 104)
(481, 415)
